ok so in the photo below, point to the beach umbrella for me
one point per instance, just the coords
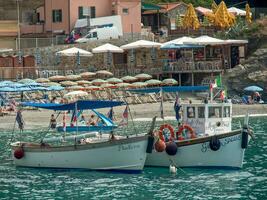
(98, 81)
(141, 44)
(74, 51)
(6, 83)
(87, 75)
(153, 82)
(73, 77)
(55, 88)
(39, 88)
(48, 84)
(76, 95)
(7, 89)
(42, 80)
(26, 80)
(253, 88)
(123, 85)
(108, 85)
(129, 79)
(57, 78)
(104, 73)
(75, 87)
(205, 40)
(178, 41)
(114, 80)
(222, 17)
(84, 82)
(236, 11)
(68, 83)
(33, 84)
(248, 14)
(143, 76)
(16, 85)
(214, 7)
(106, 48)
(169, 81)
(139, 84)
(190, 19)
(93, 87)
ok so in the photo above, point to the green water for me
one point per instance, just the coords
(154, 183)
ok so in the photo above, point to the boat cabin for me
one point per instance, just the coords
(208, 118)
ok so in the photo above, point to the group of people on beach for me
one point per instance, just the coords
(255, 97)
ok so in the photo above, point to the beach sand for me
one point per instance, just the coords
(36, 119)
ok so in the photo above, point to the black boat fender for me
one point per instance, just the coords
(150, 144)
(244, 140)
(215, 143)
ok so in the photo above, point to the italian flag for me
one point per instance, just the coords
(217, 82)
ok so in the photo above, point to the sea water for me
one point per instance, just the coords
(250, 182)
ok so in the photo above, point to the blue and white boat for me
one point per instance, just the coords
(104, 152)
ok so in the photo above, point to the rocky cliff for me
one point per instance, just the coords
(252, 72)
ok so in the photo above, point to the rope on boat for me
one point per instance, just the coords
(174, 164)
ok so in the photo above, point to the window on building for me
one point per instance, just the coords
(81, 12)
(125, 11)
(57, 15)
(92, 8)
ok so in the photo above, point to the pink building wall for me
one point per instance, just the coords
(69, 8)
(56, 5)
(40, 10)
(102, 7)
(132, 20)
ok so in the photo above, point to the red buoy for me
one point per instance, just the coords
(160, 146)
(19, 153)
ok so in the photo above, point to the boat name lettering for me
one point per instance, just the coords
(206, 146)
(128, 147)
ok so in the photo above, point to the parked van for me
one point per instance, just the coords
(100, 34)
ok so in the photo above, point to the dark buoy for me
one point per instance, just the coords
(215, 143)
(171, 148)
(150, 144)
(160, 146)
(19, 153)
(244, 140)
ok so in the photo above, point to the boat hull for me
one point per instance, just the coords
(123, 154)
(197, 153)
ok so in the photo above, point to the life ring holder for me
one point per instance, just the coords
(171, 129)
(179, 133)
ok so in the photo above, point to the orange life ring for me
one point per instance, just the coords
(179, 133)
(166, 126)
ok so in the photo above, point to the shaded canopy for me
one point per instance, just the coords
(105, 48)
(141, 44)
(206, 40)
(81, 105)
(74, 51)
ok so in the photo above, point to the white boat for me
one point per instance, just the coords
(210, 142)
(79, 151)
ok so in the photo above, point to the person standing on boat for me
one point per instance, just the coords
(53, 122)
(177, 107)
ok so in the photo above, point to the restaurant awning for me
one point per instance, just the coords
(149, 6)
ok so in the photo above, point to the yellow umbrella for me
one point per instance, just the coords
(248, 14)
(214, 7)
(190, 19)
(223, 18)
